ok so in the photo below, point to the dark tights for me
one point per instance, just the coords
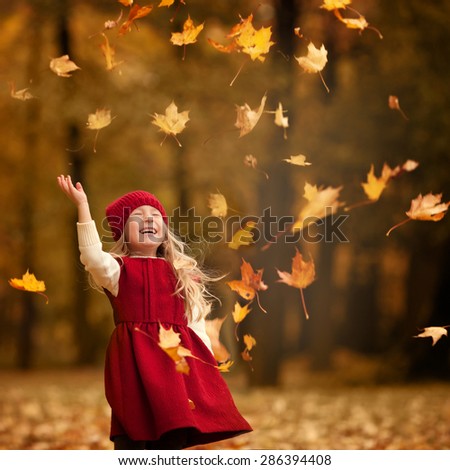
(172, 440)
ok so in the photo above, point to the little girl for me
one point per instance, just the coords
(150, 281)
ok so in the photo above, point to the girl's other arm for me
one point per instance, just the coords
(103, 267)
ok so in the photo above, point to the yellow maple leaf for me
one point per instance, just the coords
(170, 343)
(29, 283)
(188, 35)
(168, 3)
(239, 314)
(63, 66)
(245, 38)
(225, 366)
(314, 61)
(331, 5)
(374, 186)
(218, 205)
(243, 236)
(172, 122)
(302, 275)
(428, 207)
(247, 118)
(299, 160)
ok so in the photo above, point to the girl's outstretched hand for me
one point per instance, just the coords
(75, 193)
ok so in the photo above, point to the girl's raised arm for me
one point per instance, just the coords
(77, 195)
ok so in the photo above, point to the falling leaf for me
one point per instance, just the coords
(434, 332)
(359, 23)
(240, 312)
(188, 35)
(250, 283)
(63, 66)
(428, 207)
(191, 404)
(98, 120)
(299, 160)
(22, 94)
(322, 202)
(109, 53)
(136, 13)
(29, 283)
(243, 236)
(331, 5)
(218, 205)
(225, 366)
(213, 328)
(245, 38)
(374, 186)
(281, 120)
(394, 103)
(172, 122)
(168, 3)
(301, 276)
(126, 3)
(111, 24)
(252, 162)
(314, 61)
(169, 342)
(249, 342)
(247, 118)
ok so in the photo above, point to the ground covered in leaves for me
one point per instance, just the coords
(67, 410)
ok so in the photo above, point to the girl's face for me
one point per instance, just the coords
(145, 231)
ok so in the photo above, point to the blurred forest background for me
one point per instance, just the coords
(371, 295)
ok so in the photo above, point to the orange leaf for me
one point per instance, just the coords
(302, 275)
(29, 283)
(394, 103)
(109, 53)
(169, 342)
(250, 283)
(126, 3)
(136, 13)
(249, 342)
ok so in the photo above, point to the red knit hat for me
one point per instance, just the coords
(118, 211)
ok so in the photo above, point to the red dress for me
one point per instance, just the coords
(148, 397)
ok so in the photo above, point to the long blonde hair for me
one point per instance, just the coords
(192, 280)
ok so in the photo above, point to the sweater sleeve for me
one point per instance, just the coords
(102, 266)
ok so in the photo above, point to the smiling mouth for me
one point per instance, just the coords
(148, 231)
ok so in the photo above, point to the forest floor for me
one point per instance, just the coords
(66, 409)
